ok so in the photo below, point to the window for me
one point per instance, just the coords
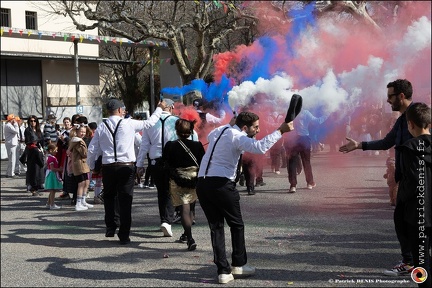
(5, 17)
(31, 18)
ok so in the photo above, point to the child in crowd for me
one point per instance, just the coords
(87, 139)
(414, 192)
(97, 177)
(78, 153)
(53, 182)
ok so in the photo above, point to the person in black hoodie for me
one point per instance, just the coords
(414, 193)
(399, 96)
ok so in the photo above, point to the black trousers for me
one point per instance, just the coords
(401, 228)
(161, 180)
(118, 181)
(220, 201)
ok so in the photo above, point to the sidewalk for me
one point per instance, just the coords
(340, 234)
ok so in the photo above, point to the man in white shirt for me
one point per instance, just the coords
(114, 140)
(217, 191)
(19, 167)
(301, 145)
(152, 144)
(208, 121)
(11, 131)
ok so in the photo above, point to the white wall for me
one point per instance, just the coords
(46, 21)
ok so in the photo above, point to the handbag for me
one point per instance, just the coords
(186, 176)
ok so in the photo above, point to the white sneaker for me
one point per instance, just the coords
(141, 185)
(400, 269)
(54, 207)
(87, 204)
(310, 186)
(80, 207)
(166, 229)
(225, 278)
(277, 172)
(243, 270)
(292, 189)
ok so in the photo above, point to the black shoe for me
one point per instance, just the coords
(125, 241)
(242, 180)
(110, 232)
(191, 244)
(63, 196)
(251, 190)
(183, 238)
(260, 183)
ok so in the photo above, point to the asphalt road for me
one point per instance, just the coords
(340, 234)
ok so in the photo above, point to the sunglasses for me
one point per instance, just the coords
(32, 120)
(77, 126)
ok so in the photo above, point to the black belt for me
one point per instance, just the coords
(119, 164)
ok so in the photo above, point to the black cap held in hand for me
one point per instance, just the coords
(294, 108)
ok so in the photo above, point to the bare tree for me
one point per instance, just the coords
(128, 79)
(193, 30)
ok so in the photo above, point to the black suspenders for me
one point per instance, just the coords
(113, 135)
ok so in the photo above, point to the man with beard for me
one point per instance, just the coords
(216, 188)
(399, 96)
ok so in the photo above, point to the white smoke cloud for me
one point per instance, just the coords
(349, 88)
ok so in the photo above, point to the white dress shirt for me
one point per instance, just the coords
(151, 141)
(232, 143)
(102, 141)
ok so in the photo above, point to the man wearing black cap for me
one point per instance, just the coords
(114, 140)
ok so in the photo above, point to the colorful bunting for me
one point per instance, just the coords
(106, 39)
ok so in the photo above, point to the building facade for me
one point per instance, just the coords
(39, 74)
